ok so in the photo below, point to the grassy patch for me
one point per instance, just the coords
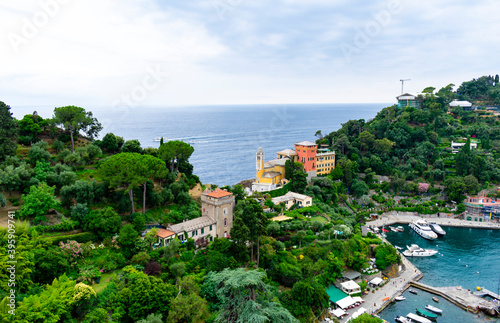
(319, 219)
(105, 279)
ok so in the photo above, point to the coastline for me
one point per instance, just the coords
(446, 220)
(411, 274)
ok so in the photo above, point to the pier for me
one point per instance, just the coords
(484, 292)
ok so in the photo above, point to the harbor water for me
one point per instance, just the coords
(466, 257)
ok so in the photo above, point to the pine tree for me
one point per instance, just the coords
(9, 132)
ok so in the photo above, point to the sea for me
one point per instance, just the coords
(225, 137)
(466, 257)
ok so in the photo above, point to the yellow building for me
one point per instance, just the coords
(325, 161)
(271, 174)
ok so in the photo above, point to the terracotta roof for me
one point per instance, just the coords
(219, 193)
(164, 233)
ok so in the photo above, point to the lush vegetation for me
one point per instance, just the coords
(81, 257)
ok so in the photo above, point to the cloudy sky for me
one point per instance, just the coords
(99, 53)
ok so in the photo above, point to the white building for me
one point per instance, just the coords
(350, 287)
(292, 198)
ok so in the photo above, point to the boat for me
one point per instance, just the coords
(159, 139)
(393, 229)
(398, 247)
(415, 251)
(400, 228)
(402, 319)
(418, 318)
(437, 228)
(422, 228)
(428, 315)
(400, 298)
(435, 299)
(433, 309)
(413, 291)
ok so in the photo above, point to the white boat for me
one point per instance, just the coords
(400, 228)
(418, 318)
(159, 139)
(402, 319)
(400, 298)
(415, 251)
(434, 309)
(393, 229)
(422, 228)
(437, 228)
(398, 247)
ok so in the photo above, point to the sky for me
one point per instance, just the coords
(108, 53)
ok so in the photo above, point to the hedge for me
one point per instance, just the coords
(78, 237)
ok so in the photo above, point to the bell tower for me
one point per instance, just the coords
(260, 161)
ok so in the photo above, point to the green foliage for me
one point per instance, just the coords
(243, 296)
(110, 143)
(366, 318)
(53, 305)
(132, 146)
(8, 132)
(75, 119)
(38, 202)
(385, 255)
(176, 154)
(102, 222)
(3, 200)
(36, 154)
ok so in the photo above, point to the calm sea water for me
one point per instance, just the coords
(226, 138)
(466, 257)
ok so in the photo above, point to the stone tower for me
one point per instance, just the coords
(219, 206)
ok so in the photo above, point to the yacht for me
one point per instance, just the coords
(418, 318)
(400, 298)
(400, 228)
(437, 228)
(415, 251)
(422, 228)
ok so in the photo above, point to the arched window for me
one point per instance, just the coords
(225, 222)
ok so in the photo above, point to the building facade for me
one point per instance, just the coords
(306, 154)
(292, 198)
(408, 100)
(478, 208)
(325, 161)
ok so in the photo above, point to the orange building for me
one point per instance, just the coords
(306, 153)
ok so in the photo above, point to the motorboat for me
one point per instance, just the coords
(418, 318)
(422, 228)
(415, 251)
(437, 228)
(400, 228)
(433, 309)
(413, 291)
(435, 299)
(393, 229)
(398, 247)
(400, 298)
(402, 319)
(160, 138)
(428, 315)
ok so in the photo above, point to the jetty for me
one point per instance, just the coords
(484, 292)
(463, 298)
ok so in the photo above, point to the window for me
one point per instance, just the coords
(202, 230)
(225, 234)
(225, 222)
(210, 228)
(194, 233)
(225, 211)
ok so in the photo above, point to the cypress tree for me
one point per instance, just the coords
(9, 132)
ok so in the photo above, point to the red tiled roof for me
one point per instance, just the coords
(219, 193)
(164, 233)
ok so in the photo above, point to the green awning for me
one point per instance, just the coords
(335, 294)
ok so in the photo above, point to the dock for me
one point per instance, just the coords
(484, 292)
(463, 298)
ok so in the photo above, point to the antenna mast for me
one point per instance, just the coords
(403, 83)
